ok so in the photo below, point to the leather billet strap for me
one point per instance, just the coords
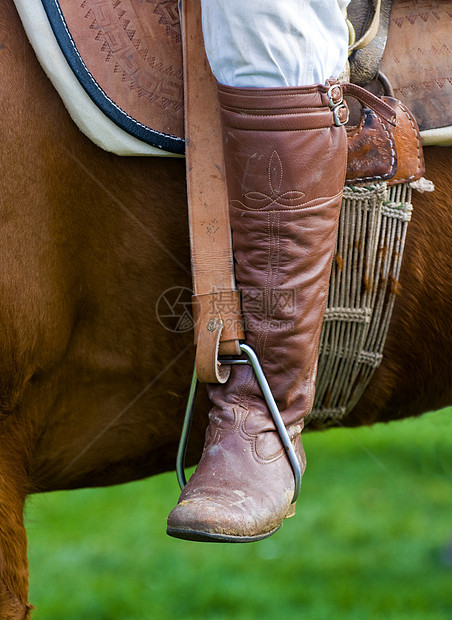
(374, 103)
(217, 310)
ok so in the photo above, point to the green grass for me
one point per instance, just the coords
(372, 539)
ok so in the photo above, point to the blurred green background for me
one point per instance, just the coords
(372, 538)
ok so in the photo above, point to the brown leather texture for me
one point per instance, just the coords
(133, 50)
(372, 154)
(410, 156)
(218, 325)
(418, 59)
(371, 101)
(285, 166)
(381, 151)
(223, 303)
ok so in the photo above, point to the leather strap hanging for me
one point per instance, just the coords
(216, 301)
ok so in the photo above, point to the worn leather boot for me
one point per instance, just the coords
(285, 155)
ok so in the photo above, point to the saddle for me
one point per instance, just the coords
(411, 50)
(126, 56)
(117, 65)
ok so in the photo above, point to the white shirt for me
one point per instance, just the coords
(265, 43)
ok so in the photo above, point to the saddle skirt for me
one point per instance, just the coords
(117, 65)
(418, 63)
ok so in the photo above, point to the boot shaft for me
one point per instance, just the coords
(285, 166)
(282, 147)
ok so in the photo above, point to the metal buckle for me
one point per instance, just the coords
(271, 404)
(332, 102)
(336, 114)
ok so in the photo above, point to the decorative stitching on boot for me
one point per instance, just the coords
(221, 432)
(253, 443)
(278, 256)
(239, 427)
(271, 284)
(315, 202)
(274, 256)
(257, 201)
(262, 340)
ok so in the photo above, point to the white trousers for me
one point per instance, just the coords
(265, 43)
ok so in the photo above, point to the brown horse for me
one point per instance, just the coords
(92, 385)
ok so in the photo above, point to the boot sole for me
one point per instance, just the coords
(199, 536)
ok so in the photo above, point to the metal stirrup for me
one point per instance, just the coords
(271, 404)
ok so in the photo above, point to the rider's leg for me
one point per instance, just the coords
(285, 163)
(263, 43)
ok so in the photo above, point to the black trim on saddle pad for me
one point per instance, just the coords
(167, 142)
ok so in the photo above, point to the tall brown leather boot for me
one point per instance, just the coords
(285, 155)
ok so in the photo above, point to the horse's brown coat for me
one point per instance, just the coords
(92, 387)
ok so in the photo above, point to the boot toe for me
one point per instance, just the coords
(225, 518)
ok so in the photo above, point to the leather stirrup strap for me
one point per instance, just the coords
(216, 302)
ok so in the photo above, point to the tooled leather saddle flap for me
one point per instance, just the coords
(412, 49)
(418, 59)
(382, 151)
(127, 55)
